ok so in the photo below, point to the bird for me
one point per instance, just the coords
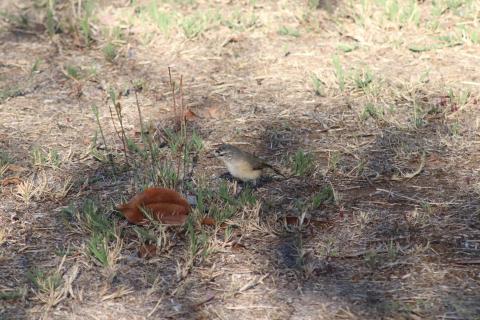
(242, 165)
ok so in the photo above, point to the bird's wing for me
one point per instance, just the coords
(258, 164)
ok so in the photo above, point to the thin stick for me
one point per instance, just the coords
(118, 110)
(95, 111)
(172, 85)
(111, 116)
(184, 133)
(419, 201)
(142, 128)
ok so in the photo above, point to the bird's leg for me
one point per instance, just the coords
(227, 176)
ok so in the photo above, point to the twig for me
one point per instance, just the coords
(172, 85)
(97, 117)
(142, 133)
(156, 307)
(118, 110)
(413, 174)
(95, 112)
(419, 201)
(463, 262)
(184, 133)
(113, 121)
(252, 283)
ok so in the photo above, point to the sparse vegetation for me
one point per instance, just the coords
(110, 52)
(317, 85)
(302, 163)
(287, 31)
(372, 107)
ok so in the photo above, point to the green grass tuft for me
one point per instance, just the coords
(287, 31)
(302, 163)
(110, 52)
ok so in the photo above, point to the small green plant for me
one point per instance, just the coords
(85, 29)
(302, 163)
(329, 248)
(402, 12)
(110, 52)
(224, 193)
(114, 34)
(5, 158)
(20, 21)
(157, 232)
(222, 213)
(333, 160)
(173, 139)
(240, 22)
(392, 250)
(196, 142)
(372, 259)
(94, 221)
(73, 72)
(167, 176)
(45, 281)
(475, 36)
(48, 285)
(105, 253)
(198, 243)
(455, 128)
(370, 111)
(363, 79)
(317, 85)
(418, 116)
(163, 20)
(51, 23)
(192, 27)
(98, 248)
(196, 24)
(39, 157)
(246, 197)
(326, 195)
(345, 47)
(204, 195)
(47, 159)
(313, 4)
(133, 147)
(286, 31)
(13, 294)
(10, 92)
(35, 66)
(454, 4)
(339, 73)
(459, 98)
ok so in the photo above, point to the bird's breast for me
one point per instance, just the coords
(242, 170)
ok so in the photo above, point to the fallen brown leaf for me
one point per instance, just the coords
(190, 115)
(11, 180)
(164, 205)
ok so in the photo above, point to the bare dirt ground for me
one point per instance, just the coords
(371, 106)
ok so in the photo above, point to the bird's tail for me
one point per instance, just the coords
(277, 171)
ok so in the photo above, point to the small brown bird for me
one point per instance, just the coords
(242, 165)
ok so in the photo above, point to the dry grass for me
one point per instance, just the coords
(370, 106)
